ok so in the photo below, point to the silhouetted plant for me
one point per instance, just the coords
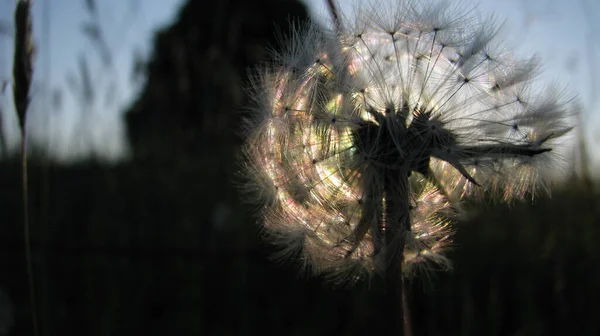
(368, 135)
(22, 74)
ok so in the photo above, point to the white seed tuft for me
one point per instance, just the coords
(403, 110)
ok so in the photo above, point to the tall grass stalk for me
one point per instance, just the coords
(22, 76)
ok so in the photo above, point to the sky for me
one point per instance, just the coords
(74, 130)
(565, 34)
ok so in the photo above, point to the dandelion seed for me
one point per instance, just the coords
(366, 136)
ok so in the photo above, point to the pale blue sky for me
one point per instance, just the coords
(564, 33)
(128, 25)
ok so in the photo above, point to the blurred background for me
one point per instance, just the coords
(136, 223)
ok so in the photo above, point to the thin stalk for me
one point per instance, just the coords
(583, 159)
(405, 312)
(3, 147)
(335, 16)
(22, 74)
(397, 226)
(27, 231)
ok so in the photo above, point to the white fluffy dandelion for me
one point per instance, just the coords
(365, 136)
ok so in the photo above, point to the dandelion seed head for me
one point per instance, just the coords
(389, 120)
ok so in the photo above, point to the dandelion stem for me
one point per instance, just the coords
(397, 226)
(405, 312)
